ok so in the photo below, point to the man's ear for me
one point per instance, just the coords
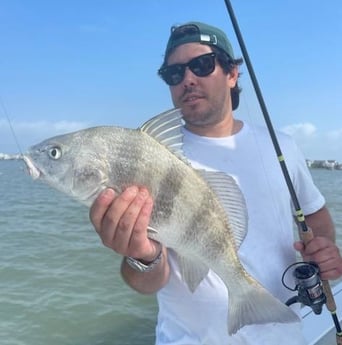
(233, 76)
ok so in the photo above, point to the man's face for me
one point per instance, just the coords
(204, 100)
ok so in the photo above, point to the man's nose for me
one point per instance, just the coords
(189, 77)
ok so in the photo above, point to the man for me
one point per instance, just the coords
(202, 74)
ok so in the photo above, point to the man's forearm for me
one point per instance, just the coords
(321, 224)
(147, 282)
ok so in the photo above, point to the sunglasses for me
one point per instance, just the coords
(201, 66)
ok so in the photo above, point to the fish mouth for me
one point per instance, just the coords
(32, 169)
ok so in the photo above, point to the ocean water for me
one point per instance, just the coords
(59, 284)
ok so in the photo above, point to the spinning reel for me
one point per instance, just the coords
(308, 285)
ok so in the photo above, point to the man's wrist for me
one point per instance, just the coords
(142, 265)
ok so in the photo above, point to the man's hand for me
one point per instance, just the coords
(121, 222)
(324, 252)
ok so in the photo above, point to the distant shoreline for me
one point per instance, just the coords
(6, 157)
(312, 164)
(324, 164)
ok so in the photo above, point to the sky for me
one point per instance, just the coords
(67, 65)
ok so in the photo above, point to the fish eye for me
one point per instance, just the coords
(55, 152)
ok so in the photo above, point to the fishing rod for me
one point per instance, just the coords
(306, 233)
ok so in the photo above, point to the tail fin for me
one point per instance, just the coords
(252, 304)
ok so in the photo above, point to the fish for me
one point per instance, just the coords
(201, 215)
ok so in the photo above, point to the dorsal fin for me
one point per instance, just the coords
(166, 129)
(232, 200)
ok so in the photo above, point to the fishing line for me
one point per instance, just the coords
(10, 125)
(305, 232)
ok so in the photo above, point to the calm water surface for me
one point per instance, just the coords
(59, 285)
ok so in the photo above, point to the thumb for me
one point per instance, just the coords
(299, 246)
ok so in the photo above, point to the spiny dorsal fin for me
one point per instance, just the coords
(232, 200)
(166, 129)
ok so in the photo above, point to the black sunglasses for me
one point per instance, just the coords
(201, 66)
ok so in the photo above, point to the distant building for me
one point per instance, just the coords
(324, 164)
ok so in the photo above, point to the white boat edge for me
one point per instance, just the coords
(317, 327)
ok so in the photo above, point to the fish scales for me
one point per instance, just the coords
(200, 215)
(171, 182)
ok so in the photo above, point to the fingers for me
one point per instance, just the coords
(299, 246)
(121, 221)
(330, 262)
(325, 254)
(121, 218)
(140, 233)
(100, 206)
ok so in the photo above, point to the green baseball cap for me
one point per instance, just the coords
(201, 33)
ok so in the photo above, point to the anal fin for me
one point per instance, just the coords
(192, 272)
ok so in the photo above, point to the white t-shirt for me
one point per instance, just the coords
(187, 318)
